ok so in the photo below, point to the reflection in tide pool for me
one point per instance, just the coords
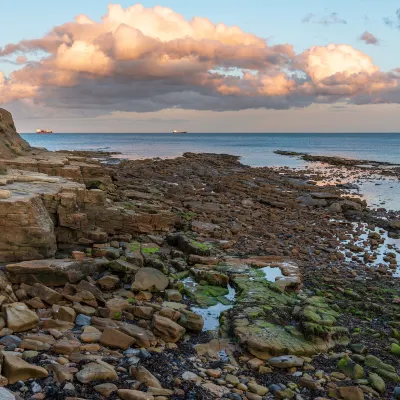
(211, 314)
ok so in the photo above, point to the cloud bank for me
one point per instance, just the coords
(149, 59)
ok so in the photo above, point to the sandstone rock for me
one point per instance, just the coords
(63, 313)
(54, 272)
(96, 371)
(286, 362)
(144, 376)
(65, 346)
(56, 324)
(20, 318)
(45, 294)
(216, 390)
(150, 279)
(108, 282)
(191, 321)
(351, 393)
(91, 335)
(29, 344)
(15, 369)
(127, 394)
(173, 295)
(113, 338)
(4, 194)
(61, 373)
(143, 337)
(167, 329)
(106, 389)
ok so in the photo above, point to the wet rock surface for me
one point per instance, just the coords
(256, 286)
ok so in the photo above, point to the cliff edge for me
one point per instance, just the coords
(11, 144)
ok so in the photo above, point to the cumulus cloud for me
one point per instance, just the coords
(149, 59)
(330, 19)
(369, 38)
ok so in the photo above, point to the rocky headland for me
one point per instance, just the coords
(191, 278)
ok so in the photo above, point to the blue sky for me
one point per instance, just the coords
(279, 22)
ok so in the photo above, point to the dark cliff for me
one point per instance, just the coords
(11, 143)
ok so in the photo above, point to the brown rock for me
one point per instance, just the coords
(65, 346)
(61, 373)
(150, 279)
(143, 337)
(63, 313)
(16, 369)
(145, 376)
(91, 335)
(20, 318)
(45, 294)
(167, 329)
(108, 282)
(127, 394)
(113, 338)
(96, 371)
(29, 344)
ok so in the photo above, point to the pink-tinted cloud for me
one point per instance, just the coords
(369, 38)
(148, 59)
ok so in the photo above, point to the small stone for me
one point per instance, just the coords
(258, 389)
(106, 389)
(91, 335)
(126, 394)
(82, 320)
(351, 393)
(286, 362)
(190, 376)
(255, 363)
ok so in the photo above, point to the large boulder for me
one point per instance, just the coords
(20, 318)
(16, 369)
(150, 279)
(53, 272)
(167, 329)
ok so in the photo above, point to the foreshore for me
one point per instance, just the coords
(193, 278)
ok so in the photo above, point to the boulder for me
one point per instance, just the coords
(145, 376)
(63, 313)
(91, 335)
(16, 369)
(54, 272)
(150, 279)
(167, 329)
(143, 337)
(20, 318)
(96, 371)
(113, 338)
(45, 294)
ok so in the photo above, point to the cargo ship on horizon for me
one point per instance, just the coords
(178, 131)
(43, 131)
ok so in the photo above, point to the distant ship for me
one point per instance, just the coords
(179, 132)
(41, 131)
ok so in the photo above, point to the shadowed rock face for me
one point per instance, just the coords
(11, 144)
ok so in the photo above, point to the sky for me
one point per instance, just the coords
(209, 66)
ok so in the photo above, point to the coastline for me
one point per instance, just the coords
(138, 229)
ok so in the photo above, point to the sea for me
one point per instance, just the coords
(255, 149)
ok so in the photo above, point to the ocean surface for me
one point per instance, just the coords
(255, 149)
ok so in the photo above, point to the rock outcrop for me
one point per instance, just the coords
(11, 144)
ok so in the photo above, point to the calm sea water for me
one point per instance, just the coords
(255, 149)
